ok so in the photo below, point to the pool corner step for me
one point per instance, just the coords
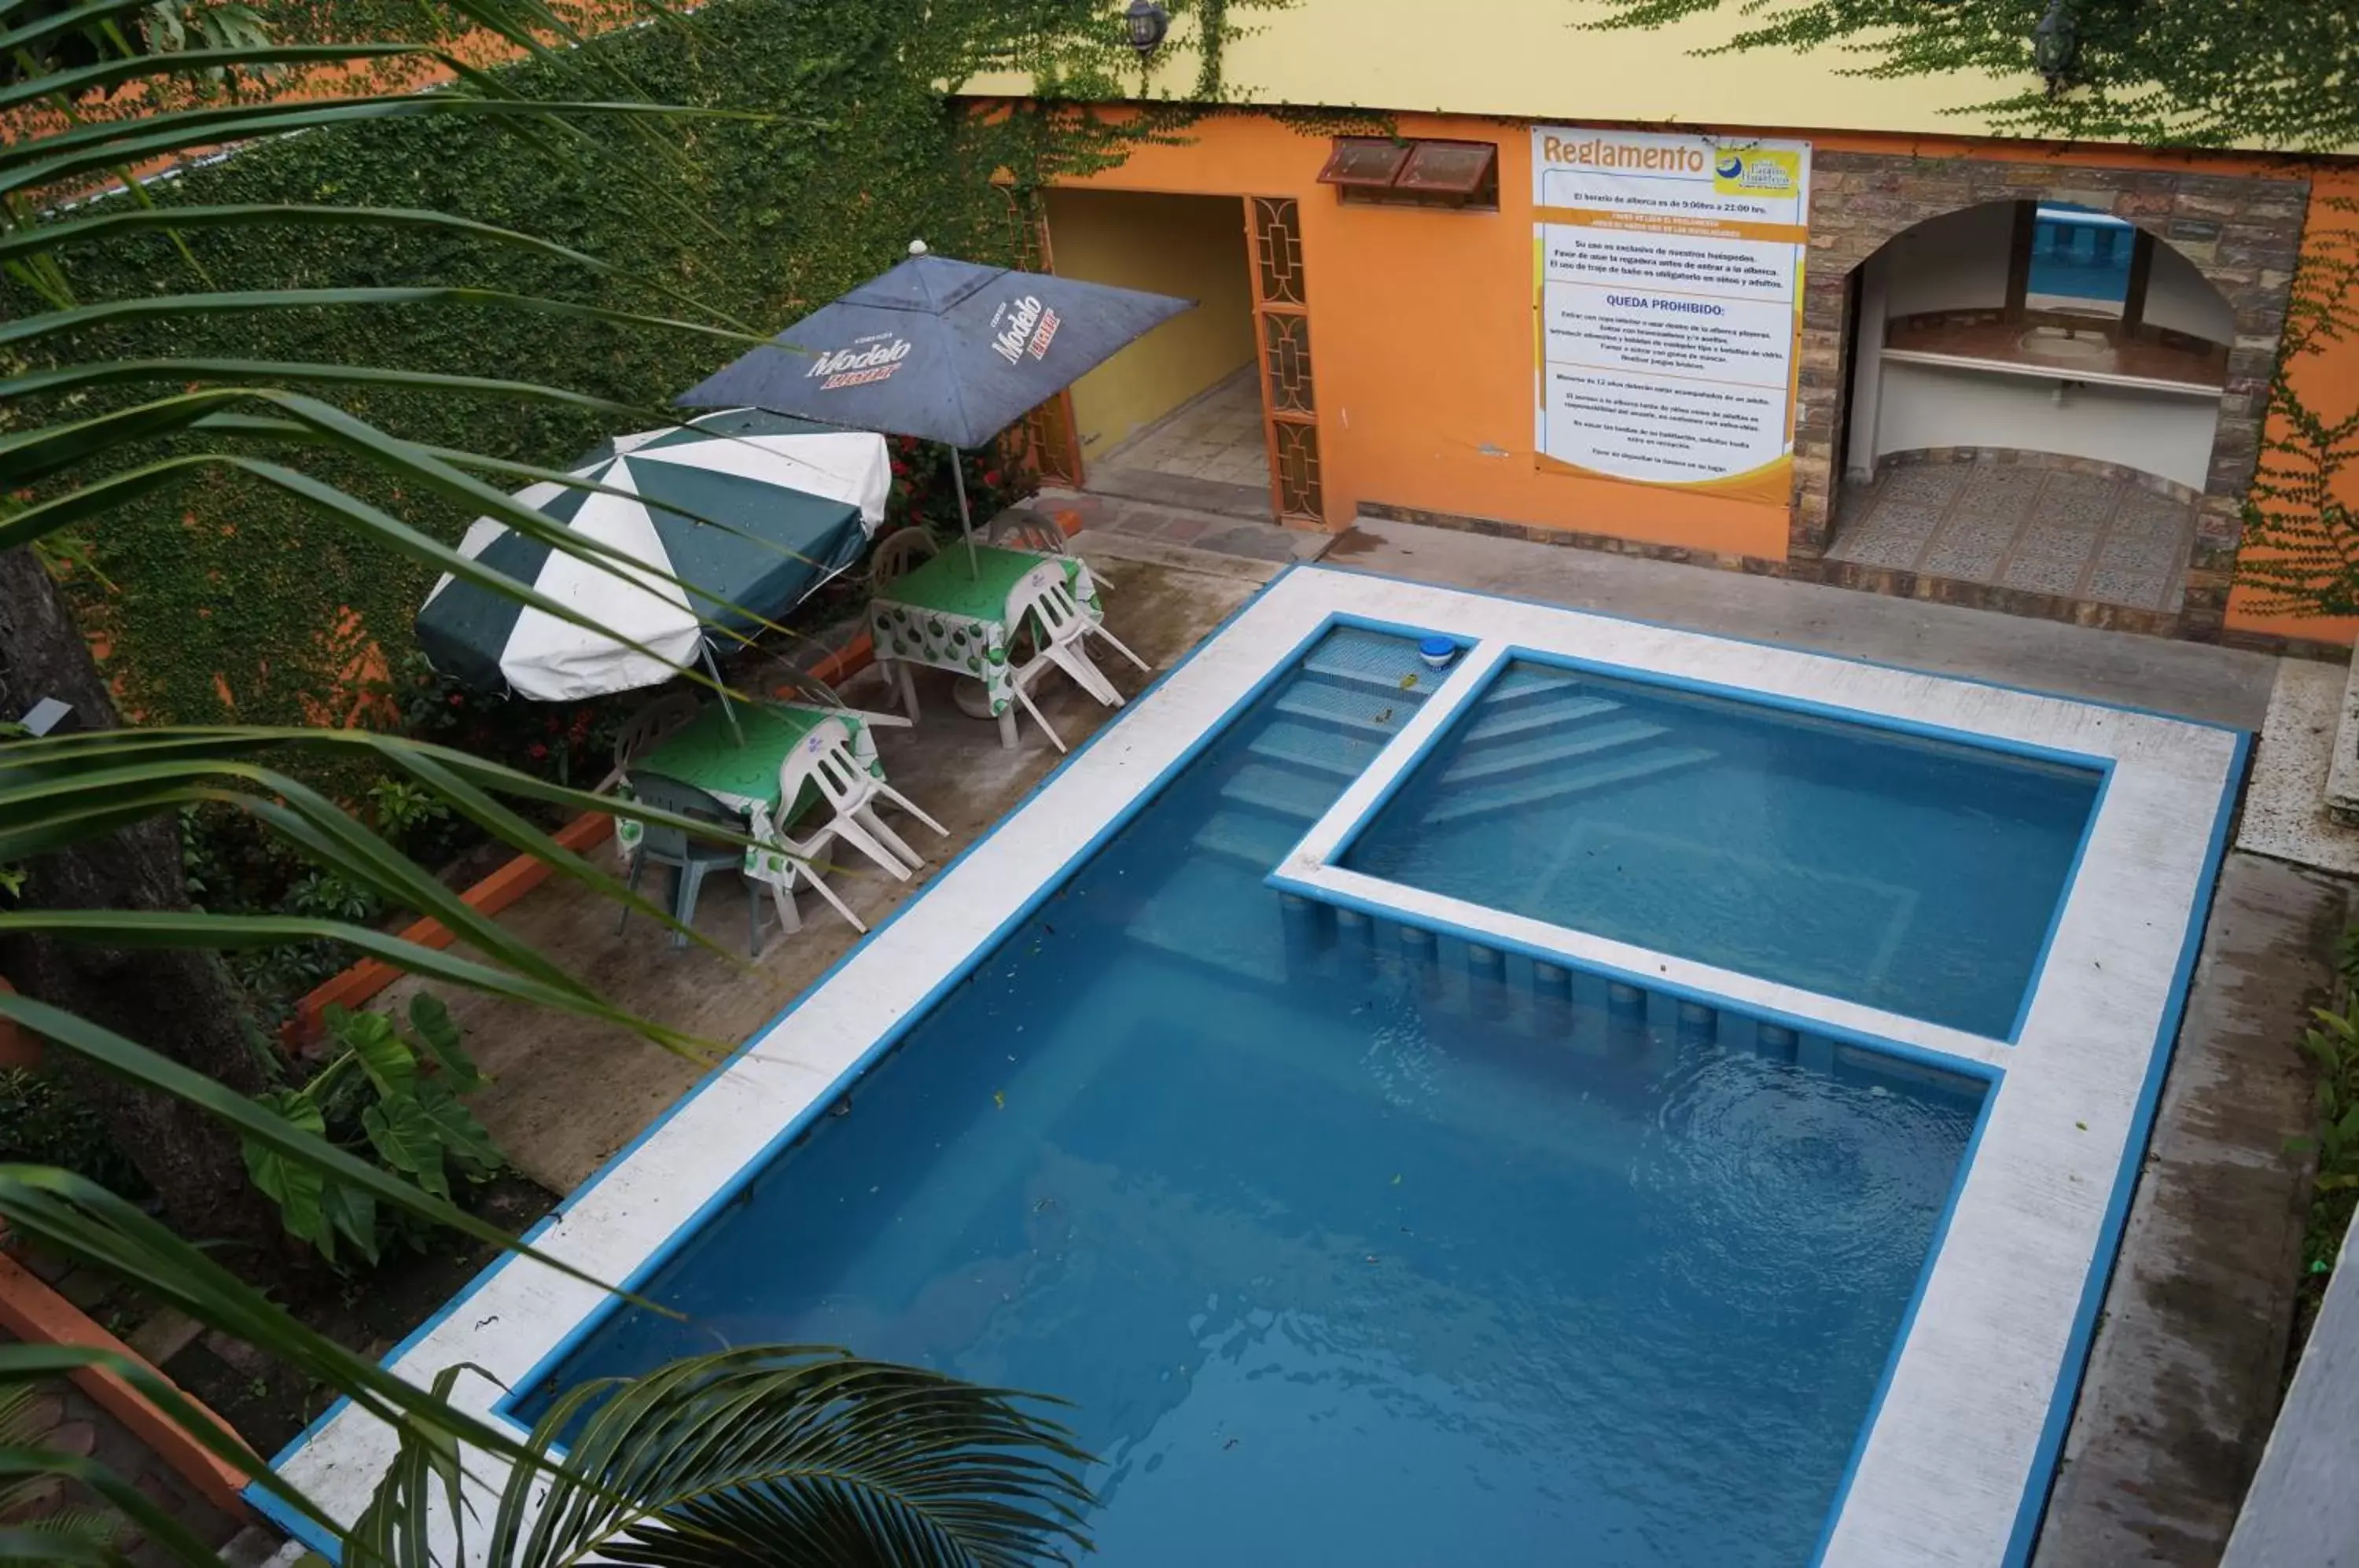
(1491, 800)
(1535, 751)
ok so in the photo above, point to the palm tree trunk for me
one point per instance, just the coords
(180, 1003)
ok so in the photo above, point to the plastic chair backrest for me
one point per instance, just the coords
(845, 784)
(661, 718)
(1048, 597)
(665, 842)
(1024, 528)
(899, 551)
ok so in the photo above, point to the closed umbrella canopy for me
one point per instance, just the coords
(773, 545)
(794, 454)
(944, 350)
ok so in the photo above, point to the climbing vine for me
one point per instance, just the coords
(225, 600)
(2297, 508)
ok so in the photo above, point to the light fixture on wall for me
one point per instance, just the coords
(1148, 22)
(2055, 45)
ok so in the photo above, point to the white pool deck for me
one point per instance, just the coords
(1966, 1427)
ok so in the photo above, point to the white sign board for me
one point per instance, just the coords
(1669, 300)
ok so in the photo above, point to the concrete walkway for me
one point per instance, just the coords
(2193, 680)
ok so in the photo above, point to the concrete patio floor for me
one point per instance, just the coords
(567, 1092)
(2185, 1375)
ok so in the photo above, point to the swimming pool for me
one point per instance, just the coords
(1366, 1220)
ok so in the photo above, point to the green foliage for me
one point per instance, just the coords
(51, 1532)
(225, 586)
(815, 1455)
(2333, 1046)
(390, 1096)
(2192, 74)
(43, 1123)
(2308, 563)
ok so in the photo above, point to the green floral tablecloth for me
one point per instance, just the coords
(744, 776)
(942, 615)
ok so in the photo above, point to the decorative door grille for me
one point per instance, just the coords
(1282, 330)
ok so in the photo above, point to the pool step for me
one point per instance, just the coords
(1353, 708)
(1371, 661)
(1514, 795)
(1248, 838)
(1209, 911)
(1546, 750)
(1331, 752)
(1280, 791)
(1523, 684)
(1524, 718)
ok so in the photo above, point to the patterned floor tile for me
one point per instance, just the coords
(2074, 535)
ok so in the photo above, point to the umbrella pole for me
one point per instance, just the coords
(728, 709)
(966, 520)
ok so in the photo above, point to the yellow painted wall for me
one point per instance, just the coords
(1534, 60)
(1193, 247)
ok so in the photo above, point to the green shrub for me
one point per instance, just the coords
(42, 1123)
(390, 1096)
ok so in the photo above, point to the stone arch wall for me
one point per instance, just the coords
(2243, 233)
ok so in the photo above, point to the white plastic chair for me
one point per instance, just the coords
(1064, 627)
(1021, 527)
(900, 551)
(851, 792)
(653, 722)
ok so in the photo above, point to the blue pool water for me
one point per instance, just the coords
(1344, 1255)
(1914, 875)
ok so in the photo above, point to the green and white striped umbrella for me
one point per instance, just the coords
(794, 504)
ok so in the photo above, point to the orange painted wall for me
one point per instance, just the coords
(2328, 382)
(1421, 342)
(1423, 332)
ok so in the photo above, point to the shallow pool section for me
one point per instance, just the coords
(1348, 1245)
(1915, 875)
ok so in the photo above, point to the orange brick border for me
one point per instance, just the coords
(36, 1315)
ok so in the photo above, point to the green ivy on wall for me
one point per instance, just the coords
(224, 601)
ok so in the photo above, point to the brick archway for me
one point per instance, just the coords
(2243, 235)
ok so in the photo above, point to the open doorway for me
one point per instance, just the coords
(1176, 417)
(2034, 394)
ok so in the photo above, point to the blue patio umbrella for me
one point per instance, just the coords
(943, 350)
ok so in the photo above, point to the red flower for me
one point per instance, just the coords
(538, 751)
(991, 477)
(901, 469)
(457, 700)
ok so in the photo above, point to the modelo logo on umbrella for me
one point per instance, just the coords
(856, 366)
(1029, 326)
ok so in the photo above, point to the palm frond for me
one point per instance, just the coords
(778, 1454)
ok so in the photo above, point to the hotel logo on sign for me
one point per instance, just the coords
(1757, 171)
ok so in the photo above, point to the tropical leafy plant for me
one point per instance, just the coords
(124, 979)
(820, 1458)
(383, 1093)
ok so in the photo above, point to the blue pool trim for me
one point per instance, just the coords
(1961, 1066)
(1908, 1323)
(917, 1011)
(2103, 766)
(300, 1528)
(1561, 607)
(2034, 1507)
